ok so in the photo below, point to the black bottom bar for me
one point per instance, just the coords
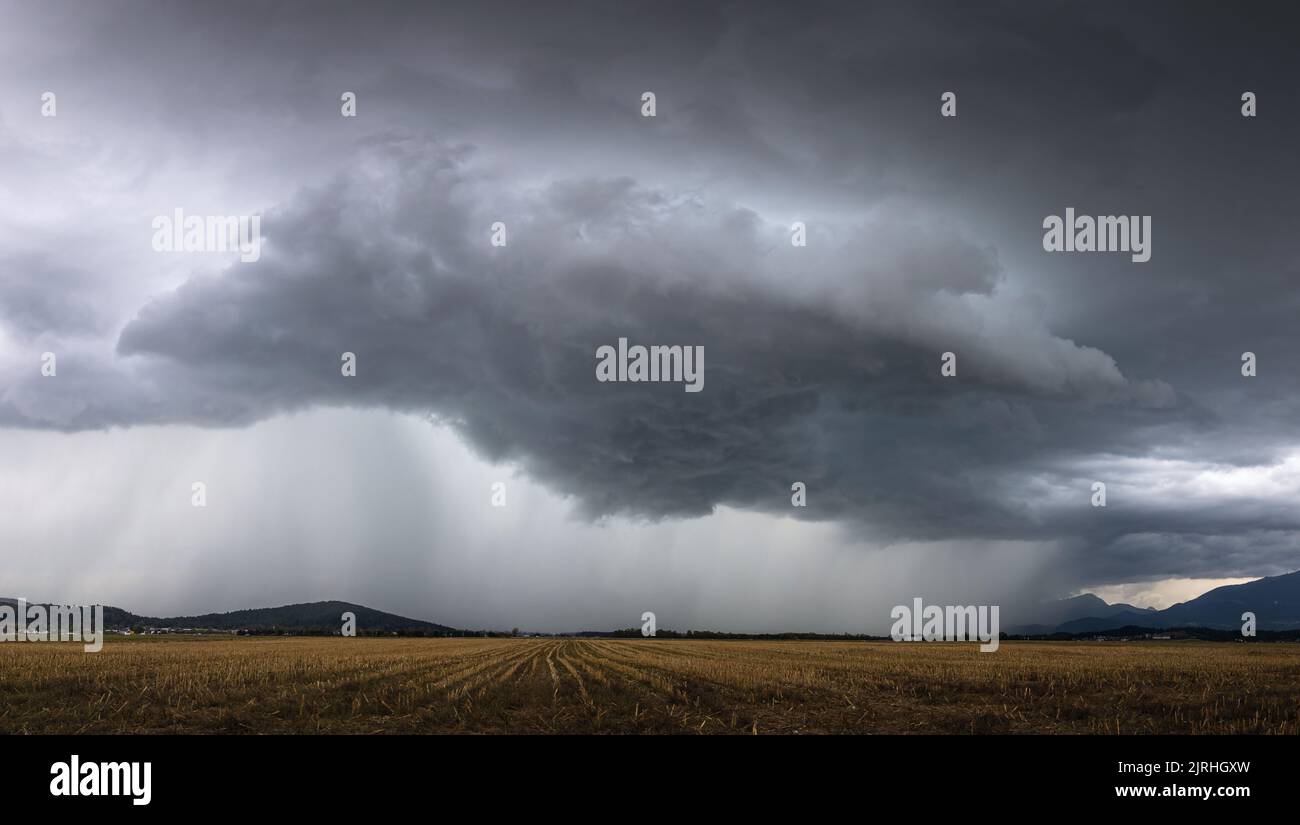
(330, 774)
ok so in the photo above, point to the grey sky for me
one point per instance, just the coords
(477, 363)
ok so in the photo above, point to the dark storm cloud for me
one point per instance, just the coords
(821, 364)
(801, 383)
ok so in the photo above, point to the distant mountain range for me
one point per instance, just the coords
(325, 617)
(1275, 601)
(1087, 606)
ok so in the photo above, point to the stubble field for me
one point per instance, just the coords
(400, 685)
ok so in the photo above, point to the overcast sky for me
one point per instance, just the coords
(476, 364)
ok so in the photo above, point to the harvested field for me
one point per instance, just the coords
(410, 685)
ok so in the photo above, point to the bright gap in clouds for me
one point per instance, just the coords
(1161, 594)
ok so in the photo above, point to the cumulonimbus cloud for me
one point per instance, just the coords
(821, 362)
